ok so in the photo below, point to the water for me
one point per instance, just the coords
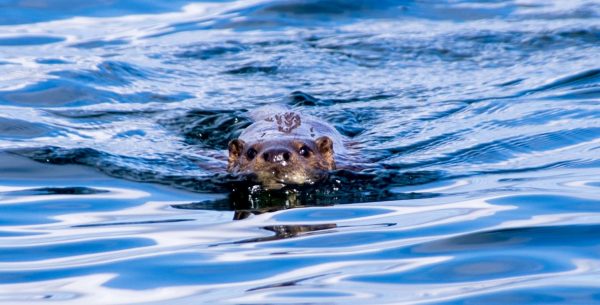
(477, 123)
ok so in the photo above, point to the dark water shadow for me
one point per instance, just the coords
(244, 194)
(210, 131)
(80, 190)
(209, 128)
(247, 198)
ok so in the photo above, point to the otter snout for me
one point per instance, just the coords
(279, 162)
(276, 155)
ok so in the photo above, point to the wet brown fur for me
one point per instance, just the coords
(297, 170)
(266, 158)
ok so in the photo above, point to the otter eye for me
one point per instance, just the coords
(304, 151)
(251, 153)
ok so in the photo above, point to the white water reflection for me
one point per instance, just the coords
(481, 117)
(355, 247)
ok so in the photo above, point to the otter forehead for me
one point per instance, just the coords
(290, 126)
(291, 142)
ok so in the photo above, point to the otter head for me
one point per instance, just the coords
(276, 163)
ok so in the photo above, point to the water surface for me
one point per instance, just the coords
(477, 123)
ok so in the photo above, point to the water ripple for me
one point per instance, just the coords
(473, 133)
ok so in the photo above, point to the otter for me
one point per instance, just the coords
(284, 147)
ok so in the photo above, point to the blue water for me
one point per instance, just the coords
(477, 125)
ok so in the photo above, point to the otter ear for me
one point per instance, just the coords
(236, 146)
(325, 147)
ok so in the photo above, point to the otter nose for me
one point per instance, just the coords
(276, 155)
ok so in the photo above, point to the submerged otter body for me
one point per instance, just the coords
(284, 147)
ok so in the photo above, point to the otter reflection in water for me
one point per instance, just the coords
(282, 147)
(247, 200)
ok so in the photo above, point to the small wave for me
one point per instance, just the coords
(131, 223)
(56, 191)
(108, 73)
(206, 128)
(253, 69)
(473, 128)
(206, 52)
(54, 93)
(29, 40)
(299, 98)
(20, 130)
(512, 238)
(578, 80)
(61, 250)
(25, 13)
(65, 92)
(93, 44)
